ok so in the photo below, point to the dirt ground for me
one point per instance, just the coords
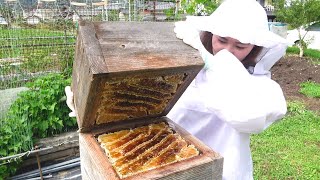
(290, 71)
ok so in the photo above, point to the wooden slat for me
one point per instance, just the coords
(92, 49)
(140, 45)
(64, 146)
(87, 59)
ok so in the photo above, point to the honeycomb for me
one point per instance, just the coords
(135, 97)
(144, 148)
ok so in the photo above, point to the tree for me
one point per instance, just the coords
(299, 14)
(200, 7)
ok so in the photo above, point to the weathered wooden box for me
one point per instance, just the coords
(127, 75)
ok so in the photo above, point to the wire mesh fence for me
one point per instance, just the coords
(37, 38)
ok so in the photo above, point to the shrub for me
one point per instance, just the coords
(199, 7)
(45, 104)
(15, 137)
(38, 112)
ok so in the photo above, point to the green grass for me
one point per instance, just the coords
(310, 53)
(290, 148)
(310, 89)
(293, 50)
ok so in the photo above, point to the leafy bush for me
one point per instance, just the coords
(199, 7)
(310, 89)
(38, 112)
(172, 16)
(45, 104)
(15, 137)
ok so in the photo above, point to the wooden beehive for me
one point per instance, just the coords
(127, 75)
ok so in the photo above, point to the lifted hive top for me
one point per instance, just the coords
(129, 70)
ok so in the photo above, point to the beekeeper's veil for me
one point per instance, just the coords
(244, 20)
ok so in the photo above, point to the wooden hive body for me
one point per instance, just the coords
(127, 75)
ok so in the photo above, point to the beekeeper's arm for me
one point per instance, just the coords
(247, 103)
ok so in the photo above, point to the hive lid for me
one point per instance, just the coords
(129, 70)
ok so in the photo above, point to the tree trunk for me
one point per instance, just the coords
(301, 44)
(301, 50)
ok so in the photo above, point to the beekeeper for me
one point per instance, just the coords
(233, 95)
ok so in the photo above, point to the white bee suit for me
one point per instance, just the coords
(225, 103)
(223, 117)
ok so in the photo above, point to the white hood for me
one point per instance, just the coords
(244, 20)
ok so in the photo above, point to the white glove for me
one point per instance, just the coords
(186, 30)
(247, 103)
(69, 101)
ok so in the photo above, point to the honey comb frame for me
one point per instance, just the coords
(96, 163)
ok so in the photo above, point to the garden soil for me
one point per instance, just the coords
(292, 70)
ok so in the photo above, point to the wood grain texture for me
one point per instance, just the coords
(208, 165)
(143, 45)
(54, 149)
(111, 53)
(82, 81)
(112, 50)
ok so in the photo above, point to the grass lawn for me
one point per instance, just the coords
(290, 148)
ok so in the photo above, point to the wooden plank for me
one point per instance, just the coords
(140, 45)
(50, 158)
(84, 174)
(93, 160)
(91, 47)
(64, 146)
(208, 165)
(84, 84)
(105, 50)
